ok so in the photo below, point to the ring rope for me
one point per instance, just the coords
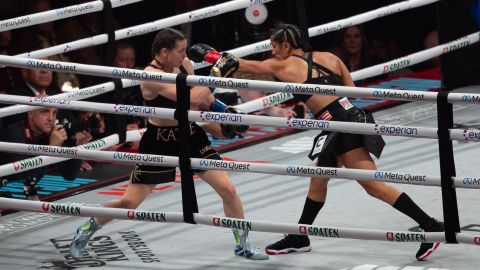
(59, 13)
(233, 223)
(230, 118)
(145, 28)
(80, 94)
(41, 161)
(263, 46)
(267, 86)
(208, 164)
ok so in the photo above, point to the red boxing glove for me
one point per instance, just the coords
(202, 52)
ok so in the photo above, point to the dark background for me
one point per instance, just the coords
(230, 30)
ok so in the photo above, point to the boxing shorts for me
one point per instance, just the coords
(329, 144)
(164, 140)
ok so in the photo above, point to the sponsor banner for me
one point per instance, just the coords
(19, 21)
(138, 157)
(319, 231)
(406, 237)
(400, 177)
(317, 171)
(232, 223)
(471, 98)
(45, 101)
(136, 74)
(337, 25)
(87, 92)
(72, 10)
(225, 165)
(310, 89)
(147, 216)
(52, 149)
(61, 209)
(275, 99)
(263, 47)
(215, 82)
(307, 123)
(471, 181)
(396, 65)
(38, 64)
(203, 13)
(471, 135)
(135, 110)
(94, 145)
(395, 130)
(27, 164)
(221, 117)
(395, 94)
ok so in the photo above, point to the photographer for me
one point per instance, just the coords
(38, 127)
(81, 127)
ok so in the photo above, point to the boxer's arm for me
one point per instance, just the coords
(270, 66)
(200, 96)
(345, 74)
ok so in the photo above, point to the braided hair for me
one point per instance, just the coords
(291, 34)
(166, 38)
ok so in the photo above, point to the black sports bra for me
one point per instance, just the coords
(328, 78)
(161, 101)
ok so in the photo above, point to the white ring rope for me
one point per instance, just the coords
(231, 118)
(145, 28)
(263, 46)
(41, 161)
(59, 13)
(209, 164)
(266, 86)
(194, 80)
(74, 95)
(415, 58)
(226, 222)
(228, 118)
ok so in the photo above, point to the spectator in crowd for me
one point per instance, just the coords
(42, 36)
(350, 45)
(38, 127)
(430, 41)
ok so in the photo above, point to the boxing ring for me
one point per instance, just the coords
(264, 193)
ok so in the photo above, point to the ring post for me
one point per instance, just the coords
(189, 198)
(447, 167)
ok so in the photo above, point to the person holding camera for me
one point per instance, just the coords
(39, 127)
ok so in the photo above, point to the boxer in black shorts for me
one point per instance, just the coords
(161, 138)
(294, 62)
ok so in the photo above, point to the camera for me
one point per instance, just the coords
(91, 124)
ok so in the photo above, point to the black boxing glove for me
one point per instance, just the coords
(230, 130)
(202, 52)
(225, 66)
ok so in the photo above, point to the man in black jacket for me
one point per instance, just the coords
(38, 127)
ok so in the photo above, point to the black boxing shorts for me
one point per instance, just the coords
(164, 141)
(329, 144)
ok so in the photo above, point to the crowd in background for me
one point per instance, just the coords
(354, 45)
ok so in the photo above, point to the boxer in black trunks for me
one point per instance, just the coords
(161, 138)
(294, 62)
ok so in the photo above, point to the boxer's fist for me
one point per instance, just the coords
(202, 52)
(229, 130)
(225, 66)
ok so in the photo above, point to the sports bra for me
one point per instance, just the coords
(328, 78)
(161, 101)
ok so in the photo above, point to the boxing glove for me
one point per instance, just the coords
(230, 130)
(225, 66)
(202, 52)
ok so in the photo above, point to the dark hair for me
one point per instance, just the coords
(292, 34)
(166, 38)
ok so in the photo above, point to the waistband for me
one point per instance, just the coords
(332, 110)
